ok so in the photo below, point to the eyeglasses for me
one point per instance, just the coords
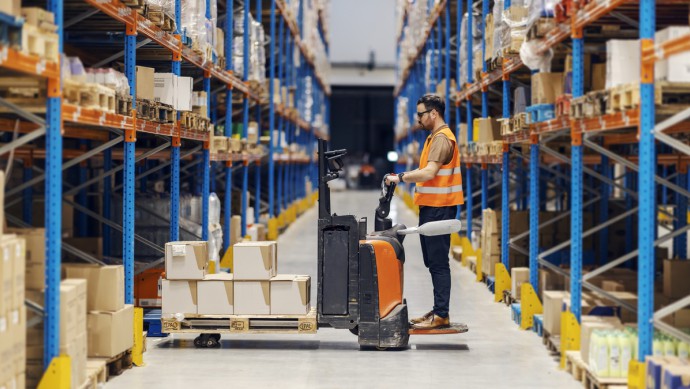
(420, 114)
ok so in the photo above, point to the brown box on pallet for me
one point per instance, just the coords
(186, 260)
(77, 351)
(34, 274)
(676, 275)
(518, 276)
(17, 323)
(179, 297)
(215, 295)
(105, 285)
(612, 286)
(110, 333)
(144, 78)
(252, 297)
(546, 87)
(591, 323)
(11, 7)
(255, 260)
(235, 229)
(290, 295)
(553, 304)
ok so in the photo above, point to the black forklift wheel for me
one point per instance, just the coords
(216, 337)
(198, 343)
(355, 330)
(381, 348)
(212, 342)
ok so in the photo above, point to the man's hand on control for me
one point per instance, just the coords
(392, 179)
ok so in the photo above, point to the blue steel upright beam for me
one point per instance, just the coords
(604, 211)
(576, 183)
(206, 164)
(245, 116)
(227, 206)
(259, 124)
(271, 112)
(53, 205)
(458, 28)
(505, 173)
(447, 66)
(470, 132)
(128, 191)
(175, 145)
(534, 213)
(82, 199)
(647, 195)
(107, 202)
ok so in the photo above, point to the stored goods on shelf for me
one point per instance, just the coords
(105, 285)
(110, 332)
(215, 295)
(186, 260)
(518, 276)
(39, 35)
(622, 62)
(676, 274)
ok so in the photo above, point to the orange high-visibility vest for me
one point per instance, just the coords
(446, 188)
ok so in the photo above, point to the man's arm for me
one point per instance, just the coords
(418, 175)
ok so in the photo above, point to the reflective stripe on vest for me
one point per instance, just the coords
(438, 190)
(448, 172)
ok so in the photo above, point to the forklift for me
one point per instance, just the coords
(360, 274)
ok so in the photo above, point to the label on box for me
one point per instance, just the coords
(18, 250)
(15, 316)
(3, 324)
(6, 253)
(178, 250)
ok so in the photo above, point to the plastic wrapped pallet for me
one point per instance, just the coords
(498, 29)
(540, 9)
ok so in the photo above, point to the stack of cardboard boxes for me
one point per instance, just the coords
(255, 288)
(12, 310)
(110, 323)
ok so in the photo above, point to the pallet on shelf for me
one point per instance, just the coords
(39, 43)
(541, 112)
(552, 342)
(243, 324)
(159, 18)
(124, 105)
(134, 3)
(96, 374)
(575, 365)
(592, 381)
(89, 95)
(563, 105)
(116, 365)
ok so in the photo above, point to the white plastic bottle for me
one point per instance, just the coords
(626, 352)
(603, 359)
(614, 354)
(683, 350)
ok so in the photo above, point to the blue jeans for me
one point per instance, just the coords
(435, 252)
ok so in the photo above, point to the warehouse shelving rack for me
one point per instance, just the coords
(597, 135)
(87, 126)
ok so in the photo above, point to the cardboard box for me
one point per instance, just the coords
(110, 333)
(10, 7)
(183, 94)
(255, 260)
(235, 229)
(553, 304)
(105, 285)
(612, 286)
(655, 367)
(17, 321)
(215, 295)
(147, 288)
(589, 324)
(679, 319)
(179, 297)
(77, 351)
(487, 130)
(220, 43)
(165, 88)
(622, 62)
(145, 83)
(6, 273)
(676, 275)
(676, 68)
(186, 260)
(676, 377)
(253, 132)
(290, 294)
(627, 316)
(252, 297)
(518, 276)
(73, 296)
(35, 256)
(546, 87)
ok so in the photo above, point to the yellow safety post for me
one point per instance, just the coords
(455, 240)
(637, 375)
(226, 262)
(467, 250)
(502, 282)
(478, 270)
(138, 349)
(570, 335)
(530, 305)
(281, 220)
(58, 375)
(272, 233)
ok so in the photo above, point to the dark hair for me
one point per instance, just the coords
(433, 102)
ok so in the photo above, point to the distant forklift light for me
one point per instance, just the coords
(392, 156)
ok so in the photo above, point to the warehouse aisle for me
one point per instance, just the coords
(495, 353)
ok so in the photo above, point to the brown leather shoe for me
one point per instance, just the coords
(433, 322)
(422, 318)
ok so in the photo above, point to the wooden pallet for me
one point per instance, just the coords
(520, 122)
(552, 342)
(494, 63)
(563, 105)
(540, 28)
(136, 4)
(40, 43)
(244, 324)
(111, 366)
(595, 104)
(124, 105)
(194, 121)
(96, 374)
(160, 18)
(591, 381)
(575, 365)
(89, 95)
(166, 113)
(671, 93)
(506, 128)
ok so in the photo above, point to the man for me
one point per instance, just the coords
(438, 192)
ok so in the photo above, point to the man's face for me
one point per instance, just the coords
(425, 117)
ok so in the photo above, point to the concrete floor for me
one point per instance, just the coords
(493, 354)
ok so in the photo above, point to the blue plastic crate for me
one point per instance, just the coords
(516, 312)
(538, 326)
(152, 324)
(11, 30)
(490, 283)
(541, 113)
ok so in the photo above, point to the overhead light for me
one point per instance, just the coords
(392, 156)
